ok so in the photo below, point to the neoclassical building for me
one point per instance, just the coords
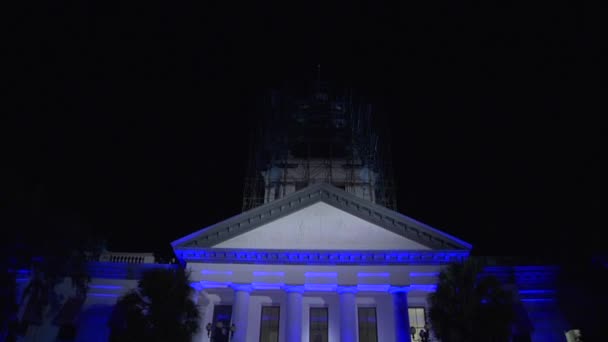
(318, 254)
(318, 265)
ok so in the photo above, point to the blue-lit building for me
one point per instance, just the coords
(318, 253)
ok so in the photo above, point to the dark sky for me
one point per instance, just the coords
(132, 120)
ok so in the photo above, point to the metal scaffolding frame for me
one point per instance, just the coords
(319, 137)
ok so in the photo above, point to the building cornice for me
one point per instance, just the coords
(320, 257)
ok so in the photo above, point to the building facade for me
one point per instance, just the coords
(329, 265)
(318, 254)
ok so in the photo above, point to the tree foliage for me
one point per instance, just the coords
(159, 309)
(469, 307)
(582, 296)
(47, 273)
(8, 305)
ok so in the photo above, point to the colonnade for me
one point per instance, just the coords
(294, 308)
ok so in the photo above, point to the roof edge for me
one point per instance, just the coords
(324, 192)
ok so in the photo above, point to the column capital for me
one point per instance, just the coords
(399, 289)
(347, 289)
(242, 287)
(294, 288)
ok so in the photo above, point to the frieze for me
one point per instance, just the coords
(302, 257)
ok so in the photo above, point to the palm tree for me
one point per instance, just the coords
(159, 309)
(43, 301)
(468, 306)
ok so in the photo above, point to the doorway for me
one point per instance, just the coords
(222, 317)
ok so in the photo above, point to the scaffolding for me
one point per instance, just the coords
(319, 137)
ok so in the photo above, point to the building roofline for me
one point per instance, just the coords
(329, 194)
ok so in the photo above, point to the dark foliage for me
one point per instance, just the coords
(159, 309)
(582, 296)
(8, 305)
(470, 307)
(49, 271)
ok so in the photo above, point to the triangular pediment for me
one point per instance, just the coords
(321, 217)
(321, 226)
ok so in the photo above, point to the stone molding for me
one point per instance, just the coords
(347, 289)
(242, 287)
(399, 289)
(320, 257)
(294, 288)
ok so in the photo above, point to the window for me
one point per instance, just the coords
(368, 329)
(417, 320)
(269, 325)
(318, 325)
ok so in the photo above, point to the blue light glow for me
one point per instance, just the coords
(321, 274)
(23, 272)
(22, 275)
(273, 274)
(242, 287)
(347, 289)
(196, 286)
(398, 289)
(538, 300)
(267, 286)
(102, 295)
(216, 272)
(294, 288)
(109, 287)
(320, 257)
(93, 323)
(363, 274)
(214, 284)
(537, 291)
(374, 287)
(424, 274)
(109, 270)
(423, 287)
(321, 287)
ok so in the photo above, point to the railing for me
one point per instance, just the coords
(128, 258)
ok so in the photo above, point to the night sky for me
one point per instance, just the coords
(131, 121)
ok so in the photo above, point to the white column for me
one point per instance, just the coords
(240, 312)
(294, 313)
(402, 319)
(348, 314)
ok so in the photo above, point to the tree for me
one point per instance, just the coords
(468, 306)
(8, 305)
(159, 309)
(44, 301)
(582, 296)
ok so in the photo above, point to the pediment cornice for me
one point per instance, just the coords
(338, 198)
